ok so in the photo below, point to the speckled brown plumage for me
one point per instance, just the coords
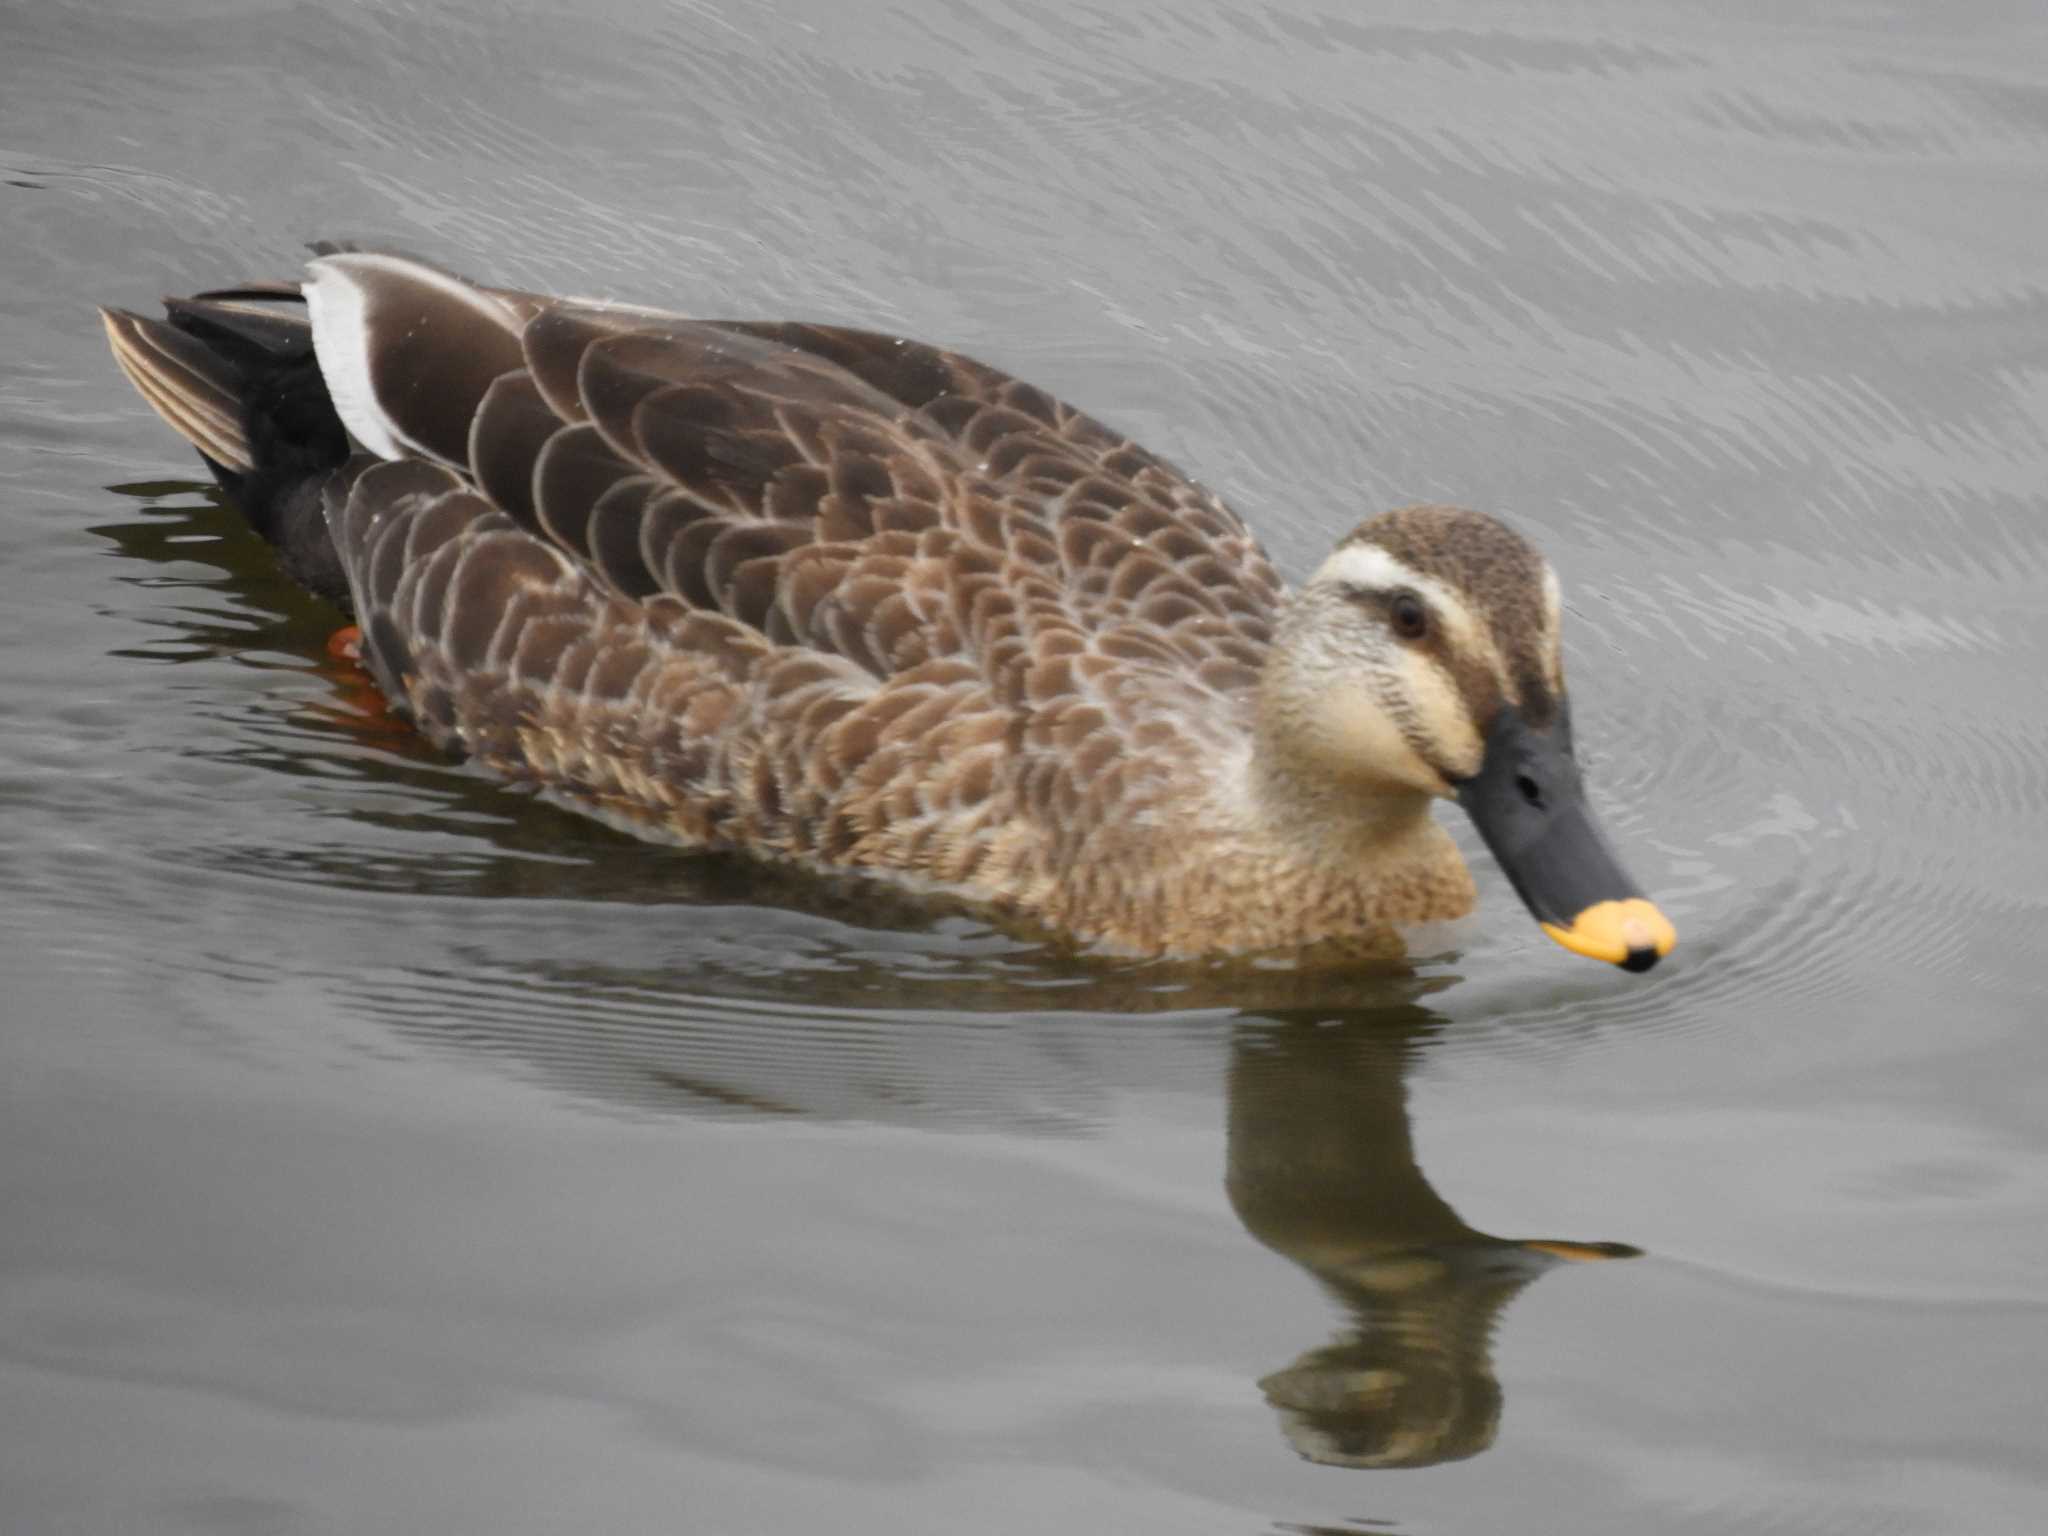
(839, 599)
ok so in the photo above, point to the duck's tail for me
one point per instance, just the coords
(233, 372)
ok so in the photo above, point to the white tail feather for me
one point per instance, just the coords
(342, 299)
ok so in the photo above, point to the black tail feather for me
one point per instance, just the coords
(244, 331)
(237, 377)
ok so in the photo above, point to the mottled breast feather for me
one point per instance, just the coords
(824, 593)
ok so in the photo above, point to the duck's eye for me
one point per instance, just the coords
(1410, 619)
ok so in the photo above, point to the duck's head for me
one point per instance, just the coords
(1422, 659)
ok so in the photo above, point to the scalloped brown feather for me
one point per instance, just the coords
(831, 597)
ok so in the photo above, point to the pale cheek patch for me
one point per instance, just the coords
(1360, 740)
(1442, 716)
(1445, 721)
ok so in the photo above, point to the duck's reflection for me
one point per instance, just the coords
(1320, 1162)
(1322, 1169)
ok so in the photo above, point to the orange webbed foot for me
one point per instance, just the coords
(359, 703)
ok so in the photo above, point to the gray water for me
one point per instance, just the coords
(380, 1151)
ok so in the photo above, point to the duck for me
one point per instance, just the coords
(860, 605)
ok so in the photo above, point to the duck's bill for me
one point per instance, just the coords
(1529, 804)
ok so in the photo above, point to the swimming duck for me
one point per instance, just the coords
(851, 601)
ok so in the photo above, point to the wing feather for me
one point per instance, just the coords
(512, 424)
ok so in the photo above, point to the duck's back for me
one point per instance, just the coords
(818, 592)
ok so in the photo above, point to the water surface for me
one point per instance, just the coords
(383, 1151)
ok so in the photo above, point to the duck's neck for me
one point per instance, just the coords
(1279, 862)
(1289, 805)
(1380, 840)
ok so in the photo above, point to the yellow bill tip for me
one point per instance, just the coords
(1631, 933)
(1582, 1253)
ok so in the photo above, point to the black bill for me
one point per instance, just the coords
(1529, 804)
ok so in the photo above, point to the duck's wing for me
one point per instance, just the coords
(795, 585)
(826, 435)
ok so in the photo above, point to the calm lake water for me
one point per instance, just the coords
(380, 1151)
